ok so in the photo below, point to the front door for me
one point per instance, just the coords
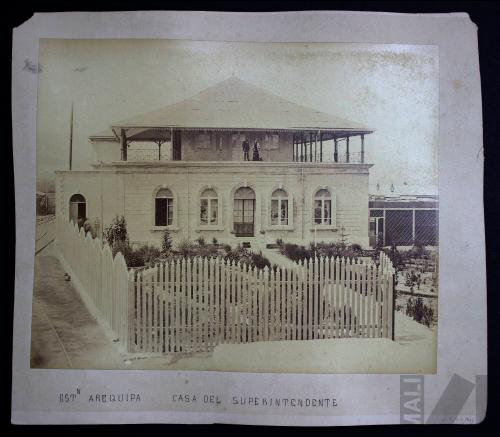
(244, 212)
(244, 217)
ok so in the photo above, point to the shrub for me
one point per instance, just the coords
(295, 252)
(260, 261)
(356, 248)
(122, 247)
(148, 254)
(419, 311)
(207, 251)
(279, 242)
(185, 248)
(166, 243)
(134, 259)
(201, 241)
(116, 231)
(215, 241)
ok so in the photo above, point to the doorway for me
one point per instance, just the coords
(244, 212)
(77, 207)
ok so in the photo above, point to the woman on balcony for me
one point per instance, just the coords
(256, 151)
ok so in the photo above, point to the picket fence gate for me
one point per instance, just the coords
(194, 304)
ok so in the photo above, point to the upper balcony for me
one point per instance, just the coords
(233, 121)
(316, 147)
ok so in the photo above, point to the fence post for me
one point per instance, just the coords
(393, 316)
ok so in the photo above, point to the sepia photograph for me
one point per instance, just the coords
(236, 206)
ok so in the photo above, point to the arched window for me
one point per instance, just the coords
(209, 207)
(323, 207)
(77, 208)
(164, 207)
(279, 207)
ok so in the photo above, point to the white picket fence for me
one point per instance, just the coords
(101, 279)
(194, 304)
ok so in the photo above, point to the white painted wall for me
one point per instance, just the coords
(129, 191)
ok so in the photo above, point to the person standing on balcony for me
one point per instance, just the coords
(256, 151)
(246, 148)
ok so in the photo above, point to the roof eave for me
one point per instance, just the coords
(357, 131)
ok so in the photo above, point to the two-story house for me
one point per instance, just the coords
(184, 168)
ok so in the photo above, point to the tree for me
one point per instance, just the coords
(116, 232)
(166, 242)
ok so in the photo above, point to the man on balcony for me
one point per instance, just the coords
(246, 149)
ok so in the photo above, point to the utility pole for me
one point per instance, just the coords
(71, 139)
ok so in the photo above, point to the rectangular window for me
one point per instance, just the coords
(248, 211)
(376, 213)
(213, 211)
(238, 211)
(323, 211)
(274, 212)
(204, 212)
(327, 212)
(284, 212)
(163, 211)
(279, 211)
(426, 227)
(317, 212)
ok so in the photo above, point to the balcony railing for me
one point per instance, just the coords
(330, 158)
(146, 155)
(341, 158)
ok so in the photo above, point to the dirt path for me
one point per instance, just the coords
(64, 334)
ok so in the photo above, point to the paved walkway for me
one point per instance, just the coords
(275, 257)
(64, 333)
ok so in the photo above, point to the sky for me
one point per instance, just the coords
(392, 89)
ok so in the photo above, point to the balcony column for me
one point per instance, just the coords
(321, 146)
(123, 139)
(347, 149)
(294, 148)
(311, 145)
(336, 151)
(159, 143)
(362, 148)
(315, 146)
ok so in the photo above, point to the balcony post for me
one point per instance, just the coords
(159, 142)
(320, 146)
(310, 146)
(362, 148)
(123, 139)
(347, 149)
(315, 146)
(336, 152)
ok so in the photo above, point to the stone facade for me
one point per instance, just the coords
(129, 189)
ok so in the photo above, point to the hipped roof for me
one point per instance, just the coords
(236, 104)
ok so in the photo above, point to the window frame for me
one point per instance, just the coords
(331, 198)
(172, 199)
(280, 199)
(289, 198)
(209, 208)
